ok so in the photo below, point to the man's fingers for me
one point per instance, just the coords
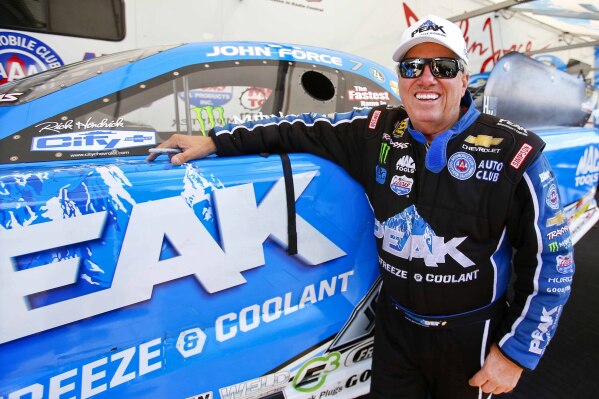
(478, 379)
(188, 155)
(194, 147)
(171, 142)
(489, 387)
(178, 159)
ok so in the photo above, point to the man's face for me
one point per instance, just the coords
(433, 104)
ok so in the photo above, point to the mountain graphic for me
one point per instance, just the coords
(54, 193)
(411, 223)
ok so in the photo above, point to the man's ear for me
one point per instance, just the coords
(465, 79)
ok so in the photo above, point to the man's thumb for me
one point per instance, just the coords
(178, 159)
(477, 379)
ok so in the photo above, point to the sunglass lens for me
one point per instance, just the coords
(410, 69)
(442, 68)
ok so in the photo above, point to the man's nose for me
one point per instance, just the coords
(427, 74)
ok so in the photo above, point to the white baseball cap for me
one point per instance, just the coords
(433, 29)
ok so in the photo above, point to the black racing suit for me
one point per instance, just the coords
(450, 222)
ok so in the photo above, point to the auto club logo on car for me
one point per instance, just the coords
(22, 55)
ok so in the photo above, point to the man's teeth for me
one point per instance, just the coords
(427, 96)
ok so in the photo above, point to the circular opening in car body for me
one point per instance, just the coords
(318, 86)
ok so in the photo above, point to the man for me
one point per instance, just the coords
(459, 198)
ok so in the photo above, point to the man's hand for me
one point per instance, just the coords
(498, 374)
(193, 147)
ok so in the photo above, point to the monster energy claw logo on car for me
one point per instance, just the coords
(209, 113)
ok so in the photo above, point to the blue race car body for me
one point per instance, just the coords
(122, 278)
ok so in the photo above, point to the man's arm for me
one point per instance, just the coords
(544, 267)
(341, 138)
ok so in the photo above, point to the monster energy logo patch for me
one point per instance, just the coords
(384, 152)
(206, 117)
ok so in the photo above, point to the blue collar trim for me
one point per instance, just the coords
(436, 157)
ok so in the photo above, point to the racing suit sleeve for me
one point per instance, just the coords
(339, 137)
(543, 264)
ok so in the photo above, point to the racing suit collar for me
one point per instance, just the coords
(436, 157)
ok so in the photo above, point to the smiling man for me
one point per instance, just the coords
(458, 202)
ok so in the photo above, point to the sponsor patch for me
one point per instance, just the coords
(555, 246)
(408, 236)
(483, 140)
(520, 156)
(400, 128)
(544, 176)
(401, 185)
(381, 174)
(461, 165)
(557, 233)
(542, 334)
(513, 127)
(384, 152)
(395, 144)
(557, 220)
(565, 264)
(489, 170)
(406, 164)
(374, 119)
(552, 197)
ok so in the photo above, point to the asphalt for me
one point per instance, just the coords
(569, 368)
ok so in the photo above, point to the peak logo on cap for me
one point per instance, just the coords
(435, 30)
(428, 25)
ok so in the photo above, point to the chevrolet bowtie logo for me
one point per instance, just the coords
(483, 140)
(557, 220)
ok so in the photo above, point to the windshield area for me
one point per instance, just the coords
(46, 82)
(189, 100)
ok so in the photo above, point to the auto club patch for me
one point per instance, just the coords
(552, 197)
(461, 165)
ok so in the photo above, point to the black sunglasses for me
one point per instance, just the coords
(441, 67)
